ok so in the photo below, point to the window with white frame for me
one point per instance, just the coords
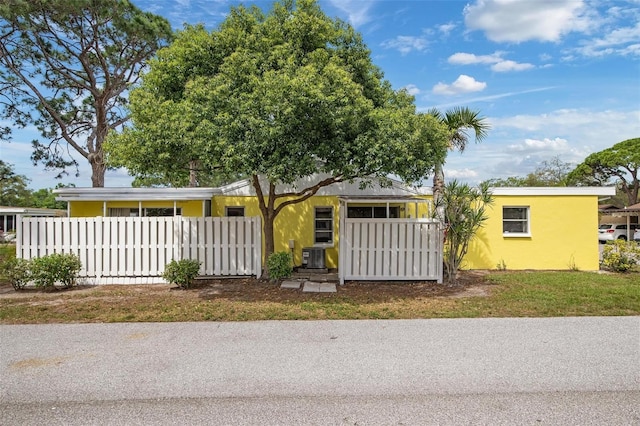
(323, 225)
(515, 220)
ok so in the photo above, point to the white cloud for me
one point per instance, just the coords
(357, 11)
(588, 122)
(486, 98)
(523, 20)
(546, 144)
(412, 89)
(447, 28)
(517, 144)
(465, 173)
(505, 66)
(209, 12)
(406, 44)
(498, 64)
(622, 41)
(461, 58)
(463, 84)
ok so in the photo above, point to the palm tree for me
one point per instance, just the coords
(459, 120)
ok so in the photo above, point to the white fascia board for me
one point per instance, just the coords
(244, 188)
(558, 191)
(29, 211)
(134, 194)
(239, 188)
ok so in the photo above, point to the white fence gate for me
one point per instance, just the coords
(391, 249)
(135, 250)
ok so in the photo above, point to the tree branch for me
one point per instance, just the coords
(306, 193)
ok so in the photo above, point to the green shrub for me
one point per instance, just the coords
(47, 271)
(7, 250)
(620, 255)
(181, 272)
(16, 271)
(279, 265)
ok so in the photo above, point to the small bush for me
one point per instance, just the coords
(279, 265)
(620, 255)
(16, 271)
(47, 271)
(181, 272)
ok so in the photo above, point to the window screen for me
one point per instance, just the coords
(515, 220)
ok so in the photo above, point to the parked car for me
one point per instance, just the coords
(636, 236)
(613, 231)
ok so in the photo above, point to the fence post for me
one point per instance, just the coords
(19, 234)
(177, 237)
(258, 247)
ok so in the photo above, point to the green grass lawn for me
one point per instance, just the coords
(495, 294)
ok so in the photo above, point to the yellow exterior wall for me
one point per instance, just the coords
(294, 222)
(85, 208)
(95, 208)
(563, 229)
(563, 235)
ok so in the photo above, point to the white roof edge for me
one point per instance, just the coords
(556, 190)
(32, 211)
(344, 188)
(234, 186)
(134, 194)
(373, 199)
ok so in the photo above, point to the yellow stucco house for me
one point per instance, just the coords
(528, 228)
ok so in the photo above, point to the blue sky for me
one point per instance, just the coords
(553, 77)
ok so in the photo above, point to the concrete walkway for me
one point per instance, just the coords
(312, 281)
(309, 286)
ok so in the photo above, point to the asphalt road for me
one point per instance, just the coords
(467, 371)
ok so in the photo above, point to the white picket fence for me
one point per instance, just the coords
(391, 249)
(135, 250)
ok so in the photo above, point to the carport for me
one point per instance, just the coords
(626, 212)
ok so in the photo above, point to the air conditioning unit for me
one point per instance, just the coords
(313, 258)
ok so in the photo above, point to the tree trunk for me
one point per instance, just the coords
(96, 154)
(438, 188)
(97, 170)
(193, 173)
(267, 204)
(268, 216)
(269, 242)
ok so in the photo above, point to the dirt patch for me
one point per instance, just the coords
(469, 284)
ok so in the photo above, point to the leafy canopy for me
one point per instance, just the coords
(65, 67)
(616, 165)
(284, 95)
(276, 97)
(13, 187)
(552, 172)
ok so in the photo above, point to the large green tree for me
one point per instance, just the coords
(460, 121)
(277, 97)
(13, 187)
(45, 198)
(552, 172)
(617, 165)
(65, 67)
